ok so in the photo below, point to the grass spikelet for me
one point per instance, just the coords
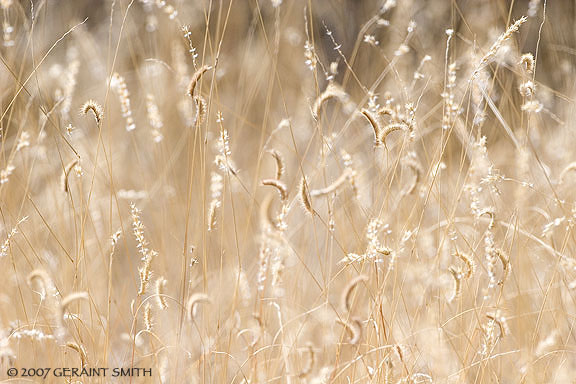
(6, 172)
(532, 106)
(412, 163)
(527, 89)
(349, 165)
(527, 62)
(490, 337)
(389, 129)
(547, 343)
(310, 364)
(255, 336)
(81, 351)
(96, 109)
(146, 254)
(243, 287)
(70, 81)
(505, 261)
(160, 292)
(279, 163)
(118, 84)
(470, 264)
(154, 118)
(399, 352)
(450, 106)
(501, 40)
(43, 278)
(533, 6)
(569, 168)
(66, 174)
(348, 289)
(6, 245)
(147, 316)
(305, 197)
(66, 301)
(145, 275)
(490, 213)
(196, 78)
(375, 124)
(387, 111)
(457, 276)
(201, 109)
(354, 329)
(192, 303)
(332, 91)
(280, 187)
(332, 187)
(23, 141)
(388, 370)
(214, 204)
(168, 9)
(498, 320)
(216, 186)
(266, 217)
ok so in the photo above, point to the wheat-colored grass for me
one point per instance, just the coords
(288, 191)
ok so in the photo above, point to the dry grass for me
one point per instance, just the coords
(269, 191)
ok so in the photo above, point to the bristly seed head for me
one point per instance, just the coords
(96, 108)
(196, 78)
(305, 197)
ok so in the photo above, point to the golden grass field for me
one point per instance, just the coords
(296, 191)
